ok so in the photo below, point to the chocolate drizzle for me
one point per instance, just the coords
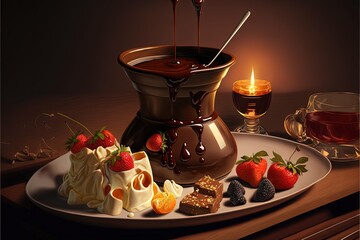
(174, 3)
(198, 129)
(185, 153)
(196, 100)
(176, 71)
(198, 4)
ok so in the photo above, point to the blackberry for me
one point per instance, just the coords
(265, 191)
(237, 198)
(235, 186)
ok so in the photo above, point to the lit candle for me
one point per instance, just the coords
(252, 97)
(252, 87)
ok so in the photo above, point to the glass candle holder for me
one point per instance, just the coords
(252, 99)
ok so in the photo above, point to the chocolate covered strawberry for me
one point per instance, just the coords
(283, 173)
(76, 143)
(252, 169)
(121, 160)
(157, 142)
(102, 137)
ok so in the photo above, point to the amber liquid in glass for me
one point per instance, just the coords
(333, 127)
(249, 105)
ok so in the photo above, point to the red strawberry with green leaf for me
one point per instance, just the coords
(157, 142)
(121, 160)
(283, 173)
(252, 169)
(76, 143)
(102, 137)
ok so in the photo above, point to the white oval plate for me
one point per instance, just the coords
(42, 189)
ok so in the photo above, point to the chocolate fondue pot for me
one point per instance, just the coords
(177, 98)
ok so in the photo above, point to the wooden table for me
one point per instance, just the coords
(330, 204)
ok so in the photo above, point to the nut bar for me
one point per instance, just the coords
(209, 186)
(197, 203)
(205, 198)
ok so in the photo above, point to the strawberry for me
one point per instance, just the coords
(157, 142)
(121, 160)
(283, 173)
(252, 169)
(76, 143)
(102, 138)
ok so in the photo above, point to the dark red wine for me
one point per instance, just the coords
(333, 127)
(251, 105)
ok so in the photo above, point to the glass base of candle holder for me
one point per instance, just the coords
(251, 125)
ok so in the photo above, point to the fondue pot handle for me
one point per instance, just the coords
(294, 125)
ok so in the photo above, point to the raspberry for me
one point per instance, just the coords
(235, 186)
(265, 191)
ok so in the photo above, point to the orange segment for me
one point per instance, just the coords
(118, 193)
(163, 202)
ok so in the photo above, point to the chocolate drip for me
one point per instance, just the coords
(167, 158)
(185, 153)
(198, 129)
(164, 159)
(196, 100)
(176, 71)
(172, 135)
(171, 160)
(174, 3)
(198, 4)
(174, 86)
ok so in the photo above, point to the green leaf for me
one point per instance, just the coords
(277, 158)
(101, 135)
(240, 161)
(302, 160)
(115, 152)
(246, 158)
(301, 169)
(256, 160)
(261, 154)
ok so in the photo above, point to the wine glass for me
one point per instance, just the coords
(252, 99)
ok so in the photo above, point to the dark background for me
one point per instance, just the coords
(53, 50)
(67, 46)
(61, 55)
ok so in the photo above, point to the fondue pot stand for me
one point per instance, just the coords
(182, 108)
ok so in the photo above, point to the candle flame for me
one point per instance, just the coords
(252, 82)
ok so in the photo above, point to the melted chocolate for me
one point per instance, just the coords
(196, 100)
(198, 129)
(185, 153)
(198, 4)
(174, 3)
(176, 72)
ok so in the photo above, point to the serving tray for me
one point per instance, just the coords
(42, 189)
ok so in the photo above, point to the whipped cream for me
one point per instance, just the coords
(172, 187)
(90, 181)
(136, 184)
(83, 184)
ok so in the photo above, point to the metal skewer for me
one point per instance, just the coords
(247, 14)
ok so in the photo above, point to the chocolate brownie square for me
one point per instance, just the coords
(209, 186)
(197, 203)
